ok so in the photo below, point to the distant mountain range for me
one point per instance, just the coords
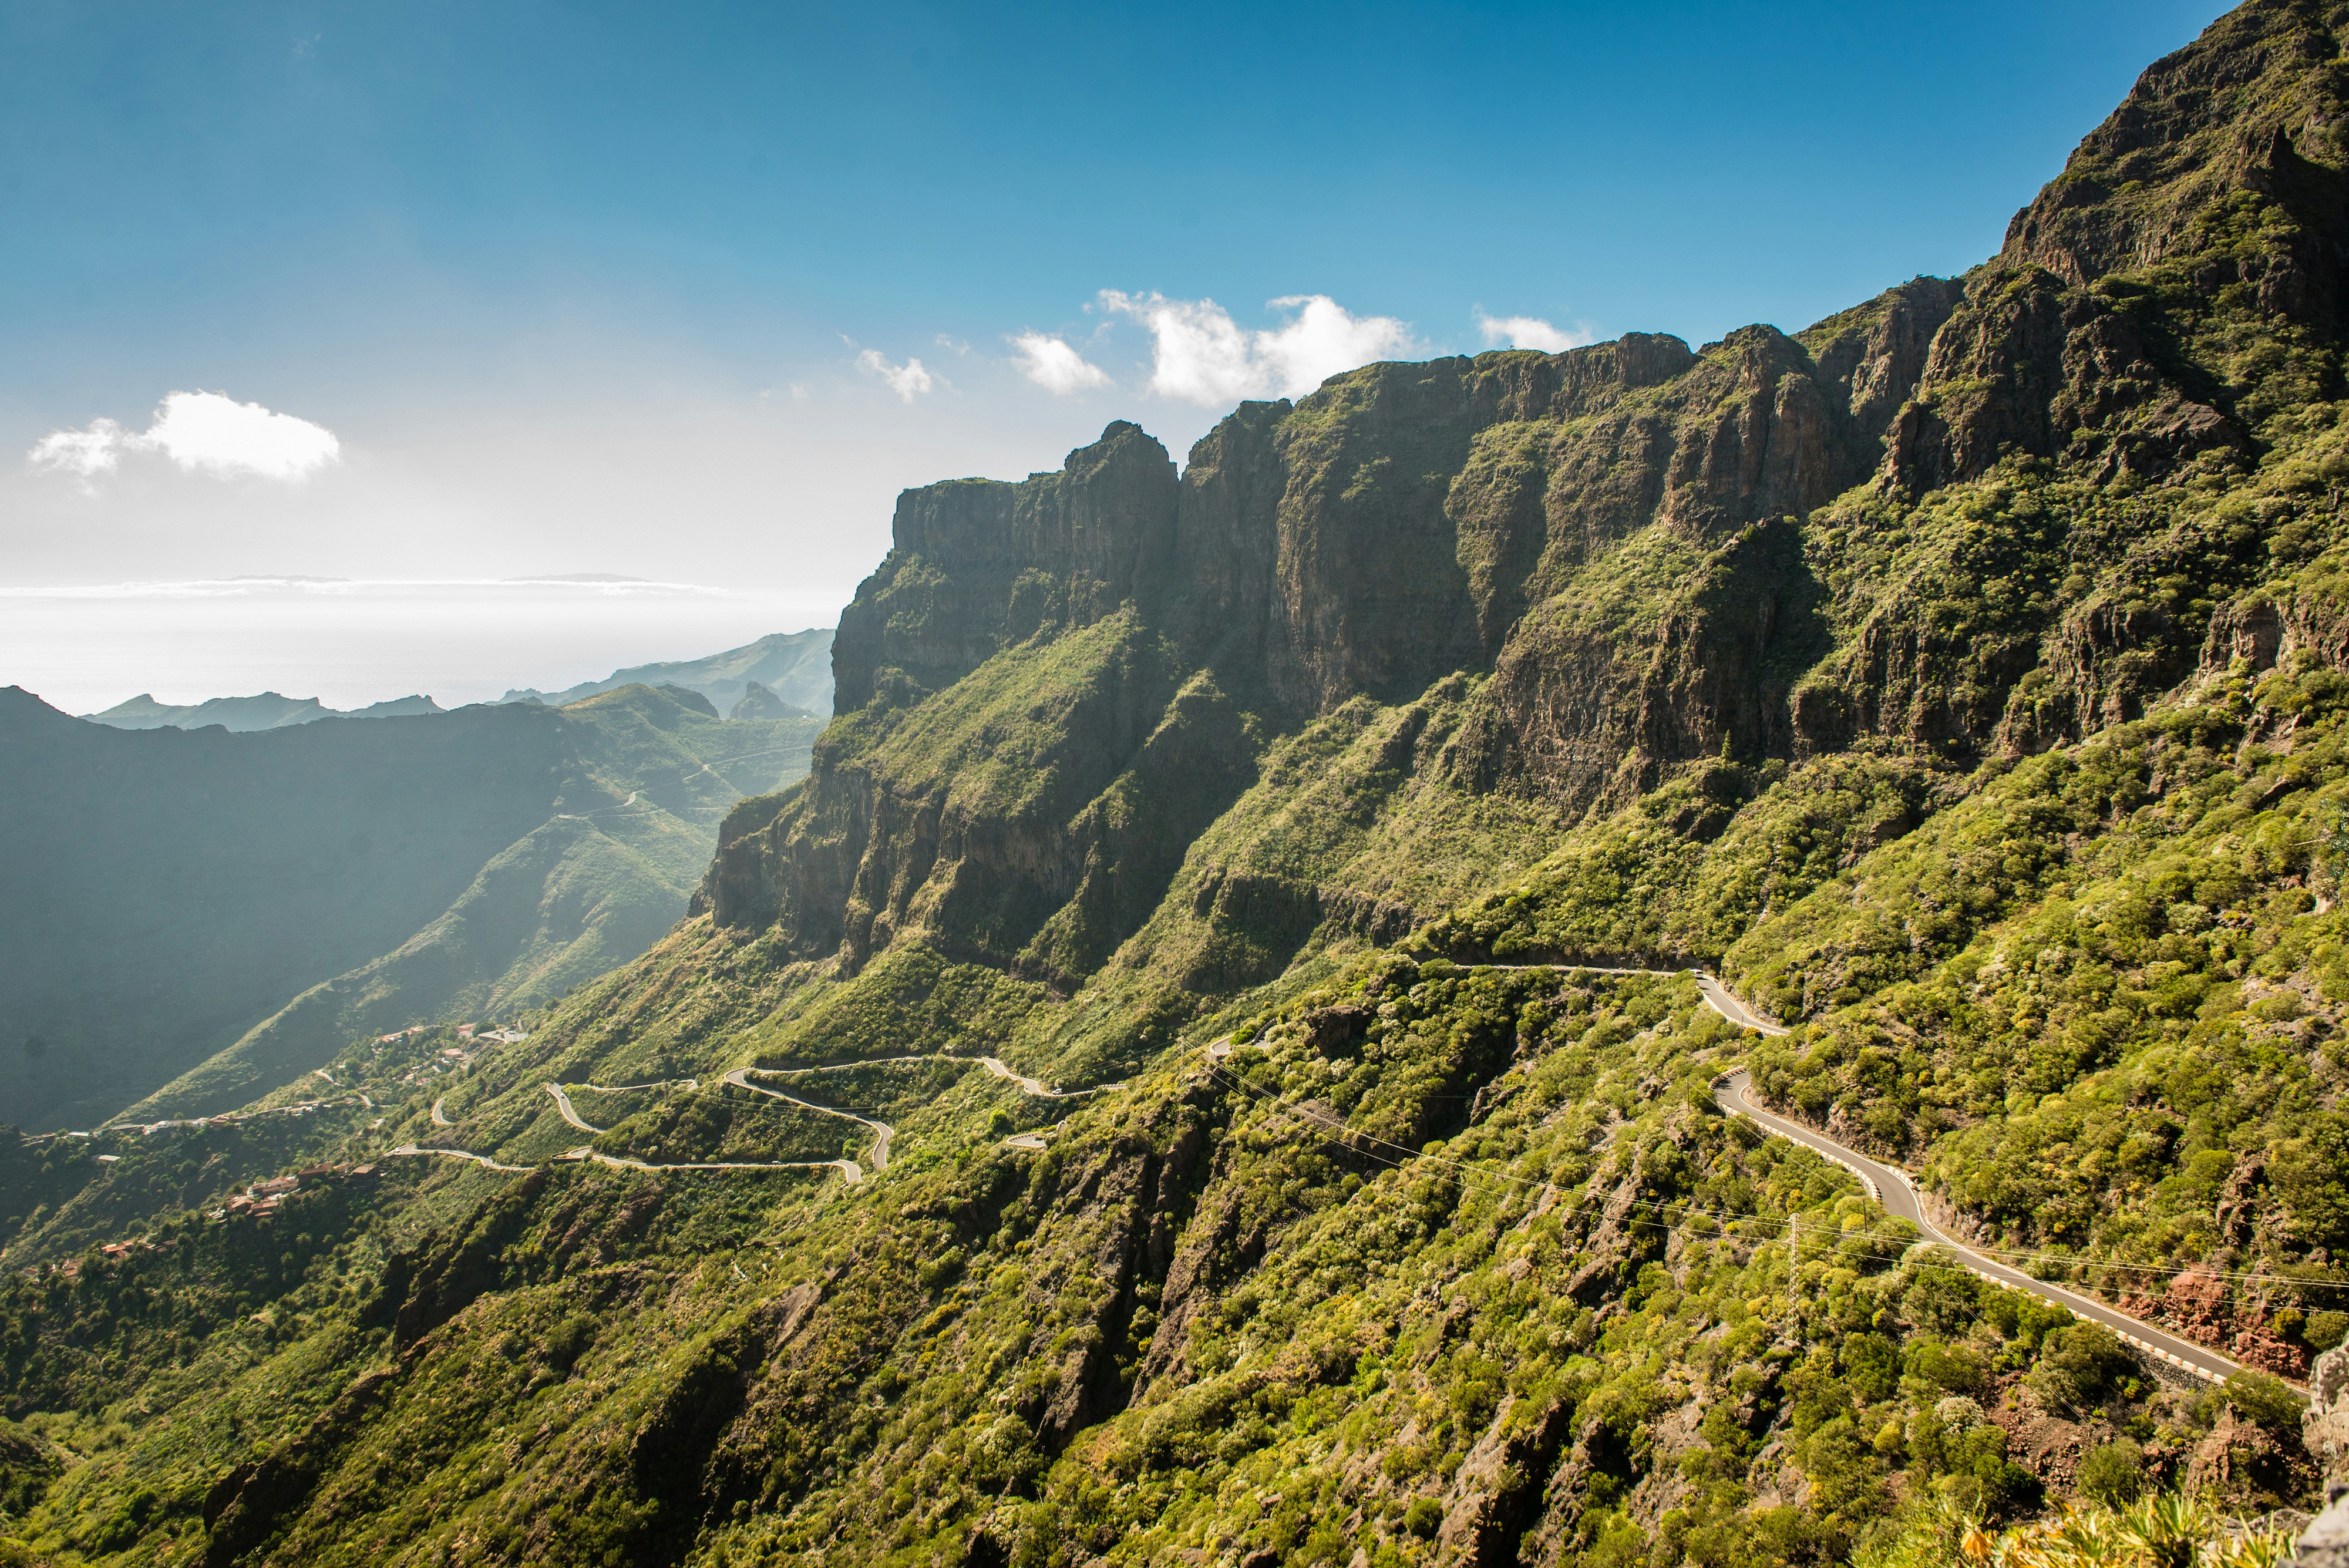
(794, 667)
(782, 675)
(216, 910)
(242, 715)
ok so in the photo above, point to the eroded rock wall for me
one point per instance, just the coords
(1405, 523)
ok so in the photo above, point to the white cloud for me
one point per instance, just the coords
(220, 435)
(905, 379)
(1052, 365)
(1198, 352)
(202, 432)
(88, 452)
(1532, 332)
(1201, 355)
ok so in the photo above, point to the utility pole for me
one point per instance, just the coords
(1794, 1260)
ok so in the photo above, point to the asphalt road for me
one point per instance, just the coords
(562, 1104)
(850, 1170)
(1892, 1189)
(882, 1131)
(409, 1148)
(1723, 1001)
(1717, 996)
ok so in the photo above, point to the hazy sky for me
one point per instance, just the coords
(458, 293)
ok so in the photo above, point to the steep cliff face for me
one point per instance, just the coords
(2162, 296)
(1381, 581)
(977, 565)
(1523, 512)
(1260, 809)
(1961, 517)
(976, 816)
(1671, 604)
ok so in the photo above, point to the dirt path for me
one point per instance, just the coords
(1893, 1189)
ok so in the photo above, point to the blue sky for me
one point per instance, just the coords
(635, 289)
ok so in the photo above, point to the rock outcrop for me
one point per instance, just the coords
(1405, 523)
(1958, 519)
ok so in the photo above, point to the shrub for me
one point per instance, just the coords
(2081, 1365)
(2267, 1401)
(1872, 1366)
(569, 1340)
(1955, 1369)
(2112, 1474)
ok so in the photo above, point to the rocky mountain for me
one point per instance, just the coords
(1204, 1068)
(195, 916)
(757, 702)
(794, 667)
(241, 715)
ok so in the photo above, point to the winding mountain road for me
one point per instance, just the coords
(996, 1066)
(409, 1148)
(1722, 999)
(562, 1104)
(882, 1131)
(850, 1171)
(1892, 1188)
(1032, 1086)
(1717, 996)
(599, 811)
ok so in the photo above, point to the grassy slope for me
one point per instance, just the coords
(171, 889)
(1537, 1301)
(1190, 1305)
(1321, 1354)
(590, 887)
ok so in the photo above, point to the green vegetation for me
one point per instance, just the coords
(1963, 680)
(355, 878)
